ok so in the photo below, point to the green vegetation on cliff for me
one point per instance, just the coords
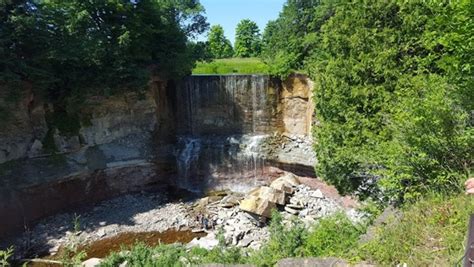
(394, 87)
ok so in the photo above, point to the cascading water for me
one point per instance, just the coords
(187, 161)
(225, 119)
(251, 152)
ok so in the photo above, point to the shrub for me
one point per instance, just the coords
(144, 255)
(333, 236)
(285, 242)
(5, 256)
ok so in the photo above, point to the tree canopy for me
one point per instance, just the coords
(393, 89)
(68, 48)
(247, 39)
(219, 45)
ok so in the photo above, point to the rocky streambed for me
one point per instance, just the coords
(170, 217)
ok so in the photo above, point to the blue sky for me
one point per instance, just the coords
(229, 12)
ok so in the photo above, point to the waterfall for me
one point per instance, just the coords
(187, 161)
(222, 121)
(252, 152)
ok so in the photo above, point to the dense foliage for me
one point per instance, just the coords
(394, 88)
(219, 45)
(288, 40)
(67, 49)
(247, 39)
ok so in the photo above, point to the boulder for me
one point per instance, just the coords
(270, 194)
(249, 204)
(265, 208)
(257, 206)
(286, 183)
(273, 195)
(230, 201)
(92, 262)
(280, 185)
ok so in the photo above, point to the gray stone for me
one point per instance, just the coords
(293, 206)
(101, 233)
(291, 211)
(246, 242)
(92, 262)
(317, 194)
(35, 148)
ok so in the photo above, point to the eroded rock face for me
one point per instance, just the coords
(297, 105)
(240, 125)
(23, 123)
(118, 117)
(22, 134)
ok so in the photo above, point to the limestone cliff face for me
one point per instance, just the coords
(109, 119)
(232, 104)
(118, 117)
(297, 105)
(216, 130)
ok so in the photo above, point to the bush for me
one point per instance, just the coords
(143, 255)
(5, 256)
(333, 236)
(285, 242)
(393, 93)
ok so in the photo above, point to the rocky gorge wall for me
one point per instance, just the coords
(233, 128)
(200, 133)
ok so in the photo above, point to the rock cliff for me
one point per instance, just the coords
(200, 133)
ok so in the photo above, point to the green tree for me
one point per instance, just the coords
(72, 48)
(291, 38)
(391, 90)
(247, 39)
(219, 45)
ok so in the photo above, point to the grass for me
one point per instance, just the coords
(430, 232)
(232, 66)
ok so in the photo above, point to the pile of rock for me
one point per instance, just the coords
(263, 199)
(242, 218)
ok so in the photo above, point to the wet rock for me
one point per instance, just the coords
(35, 148)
